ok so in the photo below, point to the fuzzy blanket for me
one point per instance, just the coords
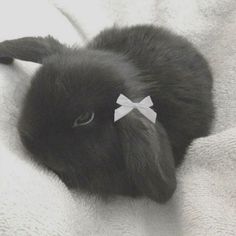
(33, 201)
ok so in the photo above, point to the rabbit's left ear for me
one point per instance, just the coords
(148, 157)
(33, 49)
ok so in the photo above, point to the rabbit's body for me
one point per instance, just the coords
(174, 74)
(67, 120)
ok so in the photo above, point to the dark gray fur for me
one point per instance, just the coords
(132, 156)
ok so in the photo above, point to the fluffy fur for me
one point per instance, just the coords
(132, 156)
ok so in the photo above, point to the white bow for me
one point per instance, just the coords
(127, 106)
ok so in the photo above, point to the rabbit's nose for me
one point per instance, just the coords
(54, 163)
(28, 141)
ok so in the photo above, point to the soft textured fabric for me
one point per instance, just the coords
(33, 201)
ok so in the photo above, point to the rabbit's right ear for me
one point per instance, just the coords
(33, 49)
(148, 157)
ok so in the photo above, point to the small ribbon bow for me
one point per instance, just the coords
(127, 106)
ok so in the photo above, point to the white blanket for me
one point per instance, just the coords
(34, 201)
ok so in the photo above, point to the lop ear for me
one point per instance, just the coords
(148, 157)
(33, 49)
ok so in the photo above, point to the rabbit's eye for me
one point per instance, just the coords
(84, 119)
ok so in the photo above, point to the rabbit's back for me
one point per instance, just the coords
(175, 75)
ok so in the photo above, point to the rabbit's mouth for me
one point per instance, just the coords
(70, 180)
(65, 179)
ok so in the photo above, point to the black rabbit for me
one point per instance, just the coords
(67, 120)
